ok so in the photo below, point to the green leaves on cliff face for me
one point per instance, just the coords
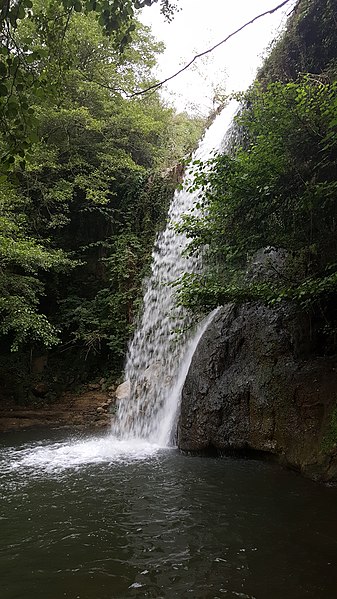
(277, 189)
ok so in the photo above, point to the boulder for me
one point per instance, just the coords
(123, 391)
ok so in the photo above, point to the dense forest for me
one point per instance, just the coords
(87, 171)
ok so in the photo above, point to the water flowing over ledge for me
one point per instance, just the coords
(164, 342)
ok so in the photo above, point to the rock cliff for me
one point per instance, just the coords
(256, 385)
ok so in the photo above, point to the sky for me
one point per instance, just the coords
(201, 24)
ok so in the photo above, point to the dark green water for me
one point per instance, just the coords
(94, 519)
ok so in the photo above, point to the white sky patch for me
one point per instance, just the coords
(201, 24)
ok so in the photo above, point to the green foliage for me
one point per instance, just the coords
(24, 323)
(276, 190)
(22, 260)
(103, 321)
(330, 438)
(82, 198)
(32, 68)
(308, 45)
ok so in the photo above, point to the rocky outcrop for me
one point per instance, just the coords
(91, 408)
(123, 391)
(255, 385)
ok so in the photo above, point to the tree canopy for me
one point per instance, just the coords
(83, 184)
(23, 64)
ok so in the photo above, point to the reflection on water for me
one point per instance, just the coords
(94, 519)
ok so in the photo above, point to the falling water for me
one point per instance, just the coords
(161, 350)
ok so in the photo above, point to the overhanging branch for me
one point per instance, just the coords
(184, 68)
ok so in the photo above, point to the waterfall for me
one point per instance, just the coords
(164, 342)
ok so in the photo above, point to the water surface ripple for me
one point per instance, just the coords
(88, 519)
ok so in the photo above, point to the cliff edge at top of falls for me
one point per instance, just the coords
(255, 384)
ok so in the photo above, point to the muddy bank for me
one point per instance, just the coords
(90, 408)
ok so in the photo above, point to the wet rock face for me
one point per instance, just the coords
(254, 385)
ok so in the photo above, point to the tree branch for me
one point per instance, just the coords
(184, 68)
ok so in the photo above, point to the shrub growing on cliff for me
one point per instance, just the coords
(277, 189)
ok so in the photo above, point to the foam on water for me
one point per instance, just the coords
(70, 454)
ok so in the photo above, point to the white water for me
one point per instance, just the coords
(54, 458)
(163, 345)
(69, 454)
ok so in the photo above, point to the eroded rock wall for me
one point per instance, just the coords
(254, 384)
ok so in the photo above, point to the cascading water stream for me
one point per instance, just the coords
(161, 350)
